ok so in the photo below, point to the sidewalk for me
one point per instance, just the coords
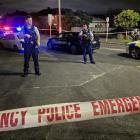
(113, 43)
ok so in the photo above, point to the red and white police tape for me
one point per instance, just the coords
(67, 112)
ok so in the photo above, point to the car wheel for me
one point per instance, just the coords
(50, 45)
(15, 48)
(73, 49)
(98, 45)
(134, 53)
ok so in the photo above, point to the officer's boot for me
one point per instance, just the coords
(25, 72)
(37, 72)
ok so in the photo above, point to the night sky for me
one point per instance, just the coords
(92, 6)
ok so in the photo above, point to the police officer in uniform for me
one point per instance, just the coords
(86, 36)
(135, 34)
(31, 43)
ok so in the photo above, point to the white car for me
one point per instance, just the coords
(133, 49)
(11, 41)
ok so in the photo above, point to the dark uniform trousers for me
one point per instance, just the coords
(87, 48)
(30, 50)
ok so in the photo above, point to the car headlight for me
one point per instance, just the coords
(94, 42)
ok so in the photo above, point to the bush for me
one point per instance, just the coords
(123, 38)
(139, 37)
(129, 38)
(120, 36)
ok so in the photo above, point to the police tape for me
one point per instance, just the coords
(113, 33)
(8, 30)
(67, 112)
(99, 33)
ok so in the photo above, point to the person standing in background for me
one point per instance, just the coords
(86, 37)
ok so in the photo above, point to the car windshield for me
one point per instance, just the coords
(61, 35)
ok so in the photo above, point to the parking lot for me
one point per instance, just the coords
(66, 79)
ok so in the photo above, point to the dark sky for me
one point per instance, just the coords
(93, 6)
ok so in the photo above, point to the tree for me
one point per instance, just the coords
(85, 17)
(127, 19)
(111, 13)
(16, 13)
(72, 19)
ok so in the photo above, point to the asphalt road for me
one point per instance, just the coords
(66, 79)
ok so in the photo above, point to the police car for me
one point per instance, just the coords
(133, 49)
(10, 40)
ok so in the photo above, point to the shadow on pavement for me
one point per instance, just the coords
(12, 73)
(60, 61)
(124, 55)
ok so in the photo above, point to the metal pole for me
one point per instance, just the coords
(59, 8)
(107, 32)
(50, 23)
(107, 28)
(50, 31)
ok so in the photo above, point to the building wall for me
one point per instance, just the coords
(76, 29)
(98, 26)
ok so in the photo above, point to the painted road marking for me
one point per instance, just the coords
(113, 49)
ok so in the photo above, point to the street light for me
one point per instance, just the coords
(59, 9)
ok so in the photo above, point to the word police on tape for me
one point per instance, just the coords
(67, 112)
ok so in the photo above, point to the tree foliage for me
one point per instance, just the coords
(72, 19)
(127, 19)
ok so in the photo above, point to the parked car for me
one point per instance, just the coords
(133, 49)
(70, 42)
(11, 41)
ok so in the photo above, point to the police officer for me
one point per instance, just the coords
(135, 34)
(31, 43)
(86, 36)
